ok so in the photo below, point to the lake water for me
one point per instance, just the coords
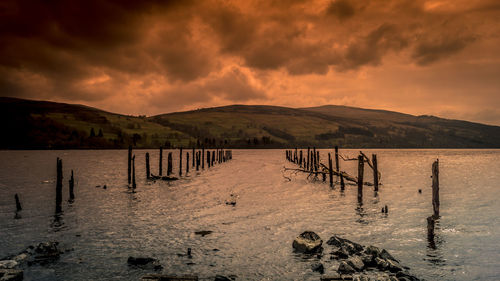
(253, 239)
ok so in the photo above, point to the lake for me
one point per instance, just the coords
(253, 239)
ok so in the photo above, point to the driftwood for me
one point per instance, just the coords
(324, 170)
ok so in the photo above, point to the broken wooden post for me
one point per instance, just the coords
(133, 173)
(430, 228)
(361, 167)
(180, 162)
(129, 163)
(59, 179)
(337, 168)
(435, 188)
(148, 172)
(342, 184)
(18, 204)
(71, 187)
(169, 164)
(203, 157)
(330, 169)
(187, 162)
(375, 172)
(160, 165)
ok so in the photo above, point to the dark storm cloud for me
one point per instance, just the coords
(428, 52)
(341, 9)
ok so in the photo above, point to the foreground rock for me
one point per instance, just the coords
(11, 275)
(144, 263)
(308, 242)
(160, 277)
(358, 262)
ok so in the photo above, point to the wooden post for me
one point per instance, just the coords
(193, 154)
(203, 157)
(430, 228)
(187, 162)
(342, 184)
(314, 168)
(317, 160)
(308, 158)
(59, 186)
(160, 165)
(337, 168)
(330, 169)
(134, 185)
(197, 160)
(375, 172)
(296, 157)
(361, 167)
(129, 163)
(180, 162)
(300, 158)
(169, 164)
(213, 157)
(148, 172)
(18, 204)
(208, 158)
(435, 188)
(71, 187)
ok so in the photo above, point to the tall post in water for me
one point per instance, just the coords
(197, 160)
(213, 157)
(375, 172)
(160, 165)
(18, 203)
(203, 157)
(71, 187)
(187, 162)
(435, 188)
(308, 157)
(129, 163)
(169, 167)
(180, 162)
(59, 185)
(342, 184)
(337, 168)
(317, 160)
(361, 168)
(300, 160)
(148, 172)
(208, 158)
(330, 169)
(193, 155)
(134, 185)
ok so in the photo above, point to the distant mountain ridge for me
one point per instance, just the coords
(40, 125)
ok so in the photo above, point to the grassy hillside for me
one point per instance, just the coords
(40, 125)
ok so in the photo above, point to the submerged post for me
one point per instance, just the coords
(169, 167)
(308, 158)
(330, 169)
(59, 185)
(187, 162)
(193, 155)
(337, 168)
(18, 204)
(71, 187)
(148, 172)
(213, 157)
(342, 184)
(361, 167)
(197, 160)
(300, 159)
(133, 173)
(129, 163)
(375, 172)
(208, 158)
(430, 228)
(180, 162)
(160, 165)
(435, 187)
(203, 157)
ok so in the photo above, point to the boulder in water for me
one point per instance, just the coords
(308, 242)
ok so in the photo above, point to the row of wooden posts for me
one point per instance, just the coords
(213, 157)
(311, 163)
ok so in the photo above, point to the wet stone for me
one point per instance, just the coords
(318, 267)
(308, 242)
(344, 267)
(11, 275)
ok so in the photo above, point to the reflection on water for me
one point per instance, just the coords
(252, 237)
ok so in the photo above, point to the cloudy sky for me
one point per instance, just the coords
(149, 57)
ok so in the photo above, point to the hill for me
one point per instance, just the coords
(41, 125)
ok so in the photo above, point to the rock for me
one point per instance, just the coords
(144, 262)
(318, 267)
(356, 263)
(159, 277)
(231, 203)
(386, 256)
(21, 257)
(8, 264)
(367, 260)
(308, 242)
(222, 278)
(348, 245)
(372, 251)
(344, 268)
(46, 252)
(203, 232)
(11, 275)
(394, 266)
(401, 275)
(341, 253)
(332, 277)
(382, 264)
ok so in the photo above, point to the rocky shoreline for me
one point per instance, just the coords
(349, 260)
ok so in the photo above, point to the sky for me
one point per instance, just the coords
(149, 57)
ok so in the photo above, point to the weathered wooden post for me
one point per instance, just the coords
(148, 172)
(160, 165)
(213, 157)
(187, 162)
(169, 164)
(203, 157)
(296, 157)
(180, 162)
(430, 228)
(342, 184)
(71, 187)
(129, 163)
(18, 203)
(337, 168)
(194, 156)
(330, 169)
(318, 161)
(300, 159)
(308, 158)
(197, 160)
(375, 172)
(315, 168)
(134, 185)
(208, 158)
(59, 179)
(361, 167)
(435, 188)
